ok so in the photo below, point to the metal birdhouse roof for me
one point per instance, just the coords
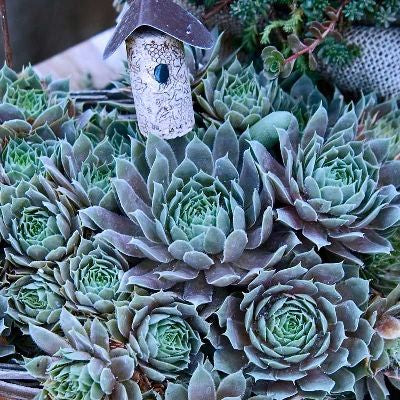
(165, 16)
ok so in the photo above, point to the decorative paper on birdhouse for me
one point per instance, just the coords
(155, 32)
(160, 84)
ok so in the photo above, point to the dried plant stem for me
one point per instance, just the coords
(6, 34)
(311, 48)
(217, 8)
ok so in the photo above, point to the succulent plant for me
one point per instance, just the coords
(384, 363)
(274, 63)
(22, 143)
(31, 101)
(83, 172)
(55, 122)
(164, 333)
(28, 93)
(21, 158)
(222, 265)
(35, 299)
(39, 226)
(91, 277)
(381, 121)
(339, 192)
(192, 213)
(240, 95)
(83, 364)
(383, 270)
(308, 97)
(101, 125)
(5, 349)
(201, 61)
(208, 385)
(297, 330)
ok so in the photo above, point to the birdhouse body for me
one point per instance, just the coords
(154, 32)
(160, 83)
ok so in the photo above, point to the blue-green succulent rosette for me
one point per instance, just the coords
(297, 329)
(80, 363)
(29, 94)
(39, 226)
(196, 210)
(34, 299)
(90, 279)
(101, 124)
(23, 143)
(239, 94)
(83, 172)
(21, 158)
(339, 192)
(164, 333)
(382, 369)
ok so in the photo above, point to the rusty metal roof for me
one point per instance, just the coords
(165, 16)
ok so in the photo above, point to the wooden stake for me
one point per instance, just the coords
(6, 34)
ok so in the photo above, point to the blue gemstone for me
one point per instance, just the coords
(161, 73)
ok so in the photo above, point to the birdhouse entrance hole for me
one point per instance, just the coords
(161, 73)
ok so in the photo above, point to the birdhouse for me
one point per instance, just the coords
(155, 32)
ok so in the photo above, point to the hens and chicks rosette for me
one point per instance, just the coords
(246, 260)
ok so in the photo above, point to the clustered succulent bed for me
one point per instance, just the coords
(255, 258)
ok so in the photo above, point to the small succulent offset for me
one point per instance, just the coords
(35, 299)
(275, 64)
(39, 226)
(55, 122)
(23, 143)
(90, 279)
(240, 95)
(164, 334)
(309, 97)
(297, 330)
(21, 158)
(82, 364)
(339, 192)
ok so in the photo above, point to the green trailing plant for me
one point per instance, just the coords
(317, 24)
